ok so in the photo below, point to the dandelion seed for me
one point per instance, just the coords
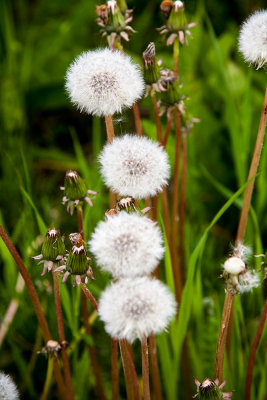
(134, 308)
(253, 39)
(8, 389)
(134, 166)
(103, 82)
(127, 245)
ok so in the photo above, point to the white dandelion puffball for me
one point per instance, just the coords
(127, 245)
(234, 265)
(248, 281)
(134, 166)
(253, 38)
(102, 82)
(135, 308)
(8, 389)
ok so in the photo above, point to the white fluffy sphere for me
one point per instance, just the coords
(102, 82)
(8, 389)
(234, 265)
(127, 245)
(253, 38)
(134, 166)
(135, 308)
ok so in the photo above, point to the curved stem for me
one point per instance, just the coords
(253, 351)
(145, 369)
(61, 335)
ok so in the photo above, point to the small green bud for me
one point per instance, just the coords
(177, 20)
(171, 95)
(151, 68)
(211, 390)
(116, 19)
(53, 245)
(74, 186)
(77, 261)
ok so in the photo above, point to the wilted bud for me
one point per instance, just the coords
(171, 95)
(75, 188)
(151, 68)
(53, 245)
(211, 390)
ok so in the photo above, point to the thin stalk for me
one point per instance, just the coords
(156, 114)
(182, 208)
(227, 309)
(61, 335)
(109, 128)
(115, 370)
(131, 381)
(165, 214)
(145, 369)
(48, 379)
(89, 295)
(176, 57)
(154, 368)
(253, 351)
(92, 353)
(174, 219)
(167, 129)
(80, 220)
(229, 299)
(137, 119)
(252, 172)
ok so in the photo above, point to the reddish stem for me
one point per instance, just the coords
(131, 381)
(61, 335)
(114, 370)
(145, 369)
(137, 119)
(89, 295)
(253, 351)
(156, 114)
(109, 128)
(154, 368)
(35, 302)
(167, 129)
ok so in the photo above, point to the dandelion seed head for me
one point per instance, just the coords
(127, 245)
(253, 39)
(134, 308)
(248, 281)
(134, 166)
(8, 389)
(103, 82)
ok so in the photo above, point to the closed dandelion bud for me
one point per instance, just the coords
(8, 389)
(117, 21)
(171, 95)
(53, 245)
(177, 19)
(77, 261)
(211, 390)
(122, 5)
(75, 188)
(151, 68)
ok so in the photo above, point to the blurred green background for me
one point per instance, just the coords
(43, 135)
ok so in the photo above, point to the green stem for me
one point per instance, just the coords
(48, 379)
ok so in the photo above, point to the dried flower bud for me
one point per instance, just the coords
(75, 188)
(52, 348)
(166, 7)
(211, 390)
(102, 13)
(53, 245)
(234, 265)
(151, 68)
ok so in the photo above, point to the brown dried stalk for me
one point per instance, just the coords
(154, 367)
(131, 380)
(229, 299)
(115, 370)
(109, 128)
(145, 369)
(36, 304)
(61, 335)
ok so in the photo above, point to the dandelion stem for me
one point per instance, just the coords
(182, 208)
(176, 57)
(48, 379)
(109, 128)
(227, 308)
(61, 335)
(114, 370)
(229, 299)
(91, 351)
(167, 129)
(253, 350)
(156, 114)
(89, 295)
(35, 302)
(252, 172)
(145, 369)
(80, 220)
(154, 367)
(174, 235)
(137, 119)
(131, 381)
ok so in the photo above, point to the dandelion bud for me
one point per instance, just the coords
(117, 21)
(123, 5)
(77, 261)
(211, 390)
(151, 68)
(177, 19)
(74, 186)
(171, 95)
(8, 389)
(53, 245)
(253, 38)
(136, 308)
